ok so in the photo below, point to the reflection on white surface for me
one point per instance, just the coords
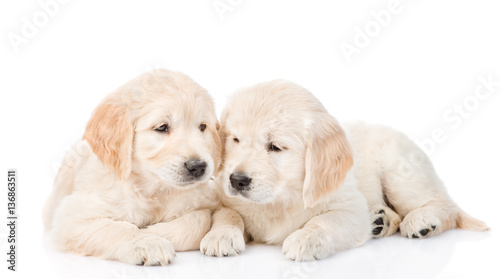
(454, 254)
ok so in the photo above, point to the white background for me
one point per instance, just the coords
(427, 59)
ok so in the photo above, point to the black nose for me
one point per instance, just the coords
(240, 181)
(196, 168)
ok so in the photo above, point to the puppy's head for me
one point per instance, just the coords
(159, 125)
(280, 144)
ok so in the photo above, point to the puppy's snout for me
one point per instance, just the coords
(196, 168)
(240, 181)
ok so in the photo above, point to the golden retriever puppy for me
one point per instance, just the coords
(287, 172)
(136, 188)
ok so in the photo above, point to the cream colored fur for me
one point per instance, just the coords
(398, 178)
(306, 196)
(303, 197)
(123, 193)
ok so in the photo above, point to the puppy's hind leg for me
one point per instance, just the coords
(384, 220)
(416, 192)
(436, 218)
(427, 221)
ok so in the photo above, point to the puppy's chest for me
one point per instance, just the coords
(273, 225)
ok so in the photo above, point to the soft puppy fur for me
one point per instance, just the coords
(288, 173)
(401, 186)
(136, 188)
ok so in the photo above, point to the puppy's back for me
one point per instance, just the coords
(65, 179)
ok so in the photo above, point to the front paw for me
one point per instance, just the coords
(223, 241)
(147, 249)
(307, 245)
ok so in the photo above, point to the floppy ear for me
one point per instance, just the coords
(328, 159)
(221, 131)
(110, 135)
(217, 151)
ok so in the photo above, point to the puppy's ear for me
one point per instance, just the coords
(110, 134)
(328, 159)
(221, 130)
(217, 150)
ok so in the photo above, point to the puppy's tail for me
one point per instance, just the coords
(467, 222)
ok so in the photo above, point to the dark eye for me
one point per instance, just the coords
(236, 140)
(162, 129)
(203, 127)
(274, 148)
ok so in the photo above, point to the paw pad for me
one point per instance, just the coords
(376, 231)
(380, 225)
(424, 232)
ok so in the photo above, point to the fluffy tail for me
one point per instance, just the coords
(467, 222)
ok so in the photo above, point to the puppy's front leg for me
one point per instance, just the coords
(113, 240)
(226, 237)
(326, 234)
(186, 231)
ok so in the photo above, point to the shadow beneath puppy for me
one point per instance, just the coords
(389, 257)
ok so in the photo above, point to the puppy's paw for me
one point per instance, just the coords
(307, 245)
(147, 249)
(420, 224)
(384, 222)
(222, 242)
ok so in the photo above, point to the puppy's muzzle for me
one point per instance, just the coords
(240, 181)
(195, 168)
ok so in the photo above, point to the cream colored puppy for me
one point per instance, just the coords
(287, 172)
(136, 189)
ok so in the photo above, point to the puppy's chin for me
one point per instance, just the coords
(179, 178)
(185, 184)
(252, 196)
(182, 182)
